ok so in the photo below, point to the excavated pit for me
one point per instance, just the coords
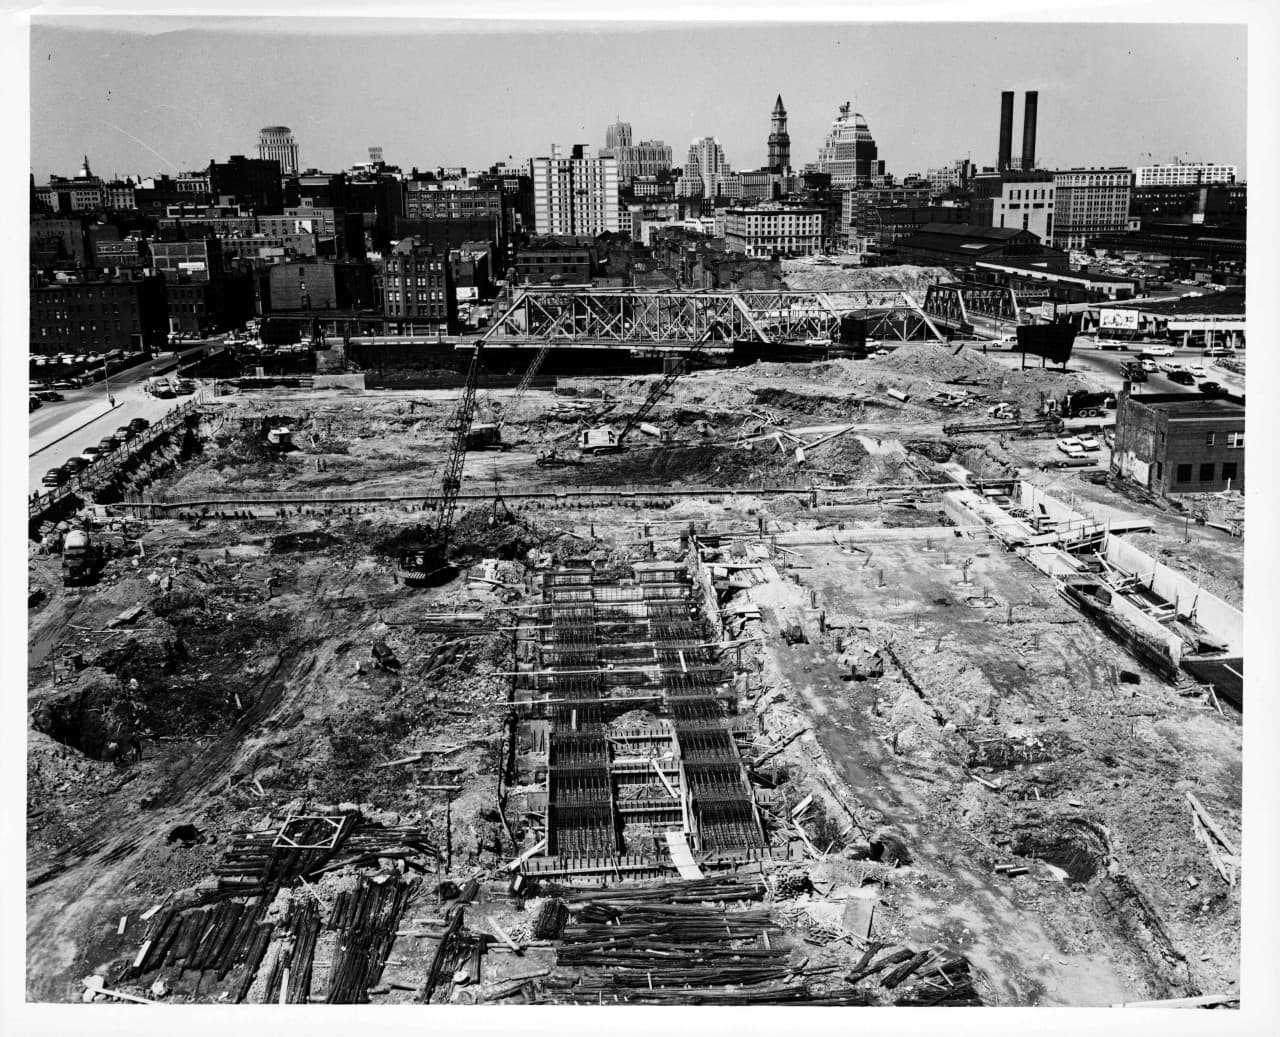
(1076, 846)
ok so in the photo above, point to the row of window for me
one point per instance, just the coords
(1182, 474)
(434, 296)
(61, 331)
(1235, 440)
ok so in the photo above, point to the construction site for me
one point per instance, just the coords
(814, 682)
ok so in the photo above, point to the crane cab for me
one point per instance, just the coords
(604, 439)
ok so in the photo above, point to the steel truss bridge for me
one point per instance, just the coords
(975, 308)
(633, 317)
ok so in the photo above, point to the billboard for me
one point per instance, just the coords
(1127, 319)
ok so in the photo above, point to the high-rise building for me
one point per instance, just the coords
(1183, 174)
(648, 158)
(276, 142)
(779, 139)
(706, 161)
(849, 154)
(1089, 203)
(575, 193)
(618, 135)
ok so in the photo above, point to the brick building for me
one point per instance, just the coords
(252, 182)
(769, 229)
(418, 290)
(571, 259)
(1180, 442)
(97, 314)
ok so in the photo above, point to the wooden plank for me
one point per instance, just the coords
(535, 848)
(1212, 825)
(503, 935)
(663, 778)
(682, 856)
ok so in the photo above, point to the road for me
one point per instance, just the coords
(1108, 362)
(58, 431)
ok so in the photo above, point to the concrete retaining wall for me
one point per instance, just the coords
(1221, 620)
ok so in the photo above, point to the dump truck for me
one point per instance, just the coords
(80, 558)
(1080, 403)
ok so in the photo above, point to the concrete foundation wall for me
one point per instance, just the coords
(339, 381)
(1223, 622)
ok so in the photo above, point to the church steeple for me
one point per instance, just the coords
(779, 139)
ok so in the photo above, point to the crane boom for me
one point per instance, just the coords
(660, 390)
(524, 382)
(451, 480)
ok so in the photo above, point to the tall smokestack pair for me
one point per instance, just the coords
(1028, 130)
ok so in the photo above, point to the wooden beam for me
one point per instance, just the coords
(1212, 825)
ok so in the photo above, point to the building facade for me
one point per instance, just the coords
(1089, 203)
(83, 192)
(1171, 443)
(81, 315)
(418, 288)
(1183, 174)
(705, 161)
(860, 209)
(764, 231)
(1015, 199)
(199, 259)
(575, 193)
(253, 182)
(567, 259)
(849, 154)
(276, 144)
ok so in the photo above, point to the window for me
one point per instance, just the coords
(1208, 439)
(1206, 472)
(1159, 471)
(1235, 440)
(1182, 473)
(1229, 471)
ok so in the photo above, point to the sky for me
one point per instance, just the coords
(143, 96)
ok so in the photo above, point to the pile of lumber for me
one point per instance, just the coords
(367, 921)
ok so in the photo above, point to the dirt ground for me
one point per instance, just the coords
(276, 662)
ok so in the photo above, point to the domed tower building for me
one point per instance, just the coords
(849, 153)
(276, 142)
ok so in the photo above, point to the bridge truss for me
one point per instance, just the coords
(638, 317)
(969, 306)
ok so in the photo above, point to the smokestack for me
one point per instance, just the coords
(1029, 130)
(1006, 130)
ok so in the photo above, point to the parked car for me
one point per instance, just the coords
(55, 477)
(1169, 366)
(109, 444)
(1159, 350)
(1182, 377)
(74, 464)
(138, 424)
(1148, 365)
(49, 396)
(91, 453)
(1198, 370)
(125, 433)
(1071, 447)
(1213, 389)
(33, 402)
(66, 383)
(1088, 443)
(183, 386)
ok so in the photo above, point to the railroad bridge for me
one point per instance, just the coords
(633, 317)
(972, 308)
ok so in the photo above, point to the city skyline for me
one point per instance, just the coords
(146, 96)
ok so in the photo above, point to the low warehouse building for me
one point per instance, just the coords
(1180, 442)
